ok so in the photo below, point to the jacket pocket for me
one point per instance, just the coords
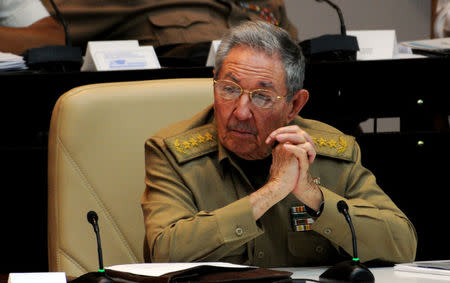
(311, 248)
(186, 25)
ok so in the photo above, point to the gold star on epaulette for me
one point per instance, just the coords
(201, 139)
(186, 145)
(209, 137)
(332, 143)
(322, 142)
(193, 143)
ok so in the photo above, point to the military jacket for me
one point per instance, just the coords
(196, 205)
(164, 22)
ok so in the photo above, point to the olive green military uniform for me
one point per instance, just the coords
(163, 22)
(196, 204)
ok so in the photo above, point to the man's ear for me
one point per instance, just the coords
(298, 101)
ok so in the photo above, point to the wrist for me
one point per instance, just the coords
(265, 197)
(312, 196)
(315, 213)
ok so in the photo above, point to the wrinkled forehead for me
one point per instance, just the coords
(245, 65)
(253, 51)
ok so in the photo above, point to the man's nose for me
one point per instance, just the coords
(242, 111)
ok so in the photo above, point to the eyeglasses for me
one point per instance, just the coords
(262, 98)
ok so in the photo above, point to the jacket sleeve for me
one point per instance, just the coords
(176, 229)
(383, 232)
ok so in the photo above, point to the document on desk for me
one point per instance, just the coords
(158, 269)
(439, 267)
(430, 44)
(9, 61)
(195, 272)
(119, 55)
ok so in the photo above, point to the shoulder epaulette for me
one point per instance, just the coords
(193, 143)
(332, 144)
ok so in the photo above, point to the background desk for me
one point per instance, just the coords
(342, 94)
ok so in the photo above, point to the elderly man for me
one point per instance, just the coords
(249, 181)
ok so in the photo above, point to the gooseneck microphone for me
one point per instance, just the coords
(343, 208)
(100, 276)
(348, 271)
(92, 217)
(331, 47)
(339, 12)
(63, 23)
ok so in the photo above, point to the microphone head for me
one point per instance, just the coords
(341, 206)
(92, 217)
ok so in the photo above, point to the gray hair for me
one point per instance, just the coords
(270, 39)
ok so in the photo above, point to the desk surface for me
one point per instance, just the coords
(382, 275)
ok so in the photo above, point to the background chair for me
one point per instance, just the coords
(96, 162)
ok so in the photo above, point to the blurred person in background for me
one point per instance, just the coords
(27, 24)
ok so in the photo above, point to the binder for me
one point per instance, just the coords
(205, 274)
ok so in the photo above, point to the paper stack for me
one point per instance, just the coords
(9, 61)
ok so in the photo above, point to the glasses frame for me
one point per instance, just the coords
(250, 94)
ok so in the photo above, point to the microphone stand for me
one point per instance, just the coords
(331, 47)
(352, 270)
(339, 12)
(55, 57)
(100, 276)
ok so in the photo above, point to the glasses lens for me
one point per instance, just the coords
(262, 98)
(228, 90)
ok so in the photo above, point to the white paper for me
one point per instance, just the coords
(9, 61)
(158, 269)
(375, 44)
(439, 267)
(119, 55)
(37, 277)
(212, 53)
(429, 44)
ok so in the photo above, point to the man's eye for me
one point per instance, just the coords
(261, 96)
(231, 89)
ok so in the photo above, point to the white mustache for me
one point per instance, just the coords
(242, 127)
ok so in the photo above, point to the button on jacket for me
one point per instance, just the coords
(196, 205)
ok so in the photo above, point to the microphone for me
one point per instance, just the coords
(100, 276)
(331, 47)
(343, 208)
(339, 12)
(92, 217)
(55, 57)
(348, 271)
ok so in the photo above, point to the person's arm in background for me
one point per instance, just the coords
(25, 25)
(285, 23)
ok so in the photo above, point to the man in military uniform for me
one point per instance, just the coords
(249, 181)
(176, 28)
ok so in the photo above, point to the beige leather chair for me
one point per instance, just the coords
(96, 162)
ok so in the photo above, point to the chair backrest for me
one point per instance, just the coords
(96, 162)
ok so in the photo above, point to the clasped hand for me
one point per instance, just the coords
(290, 164)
